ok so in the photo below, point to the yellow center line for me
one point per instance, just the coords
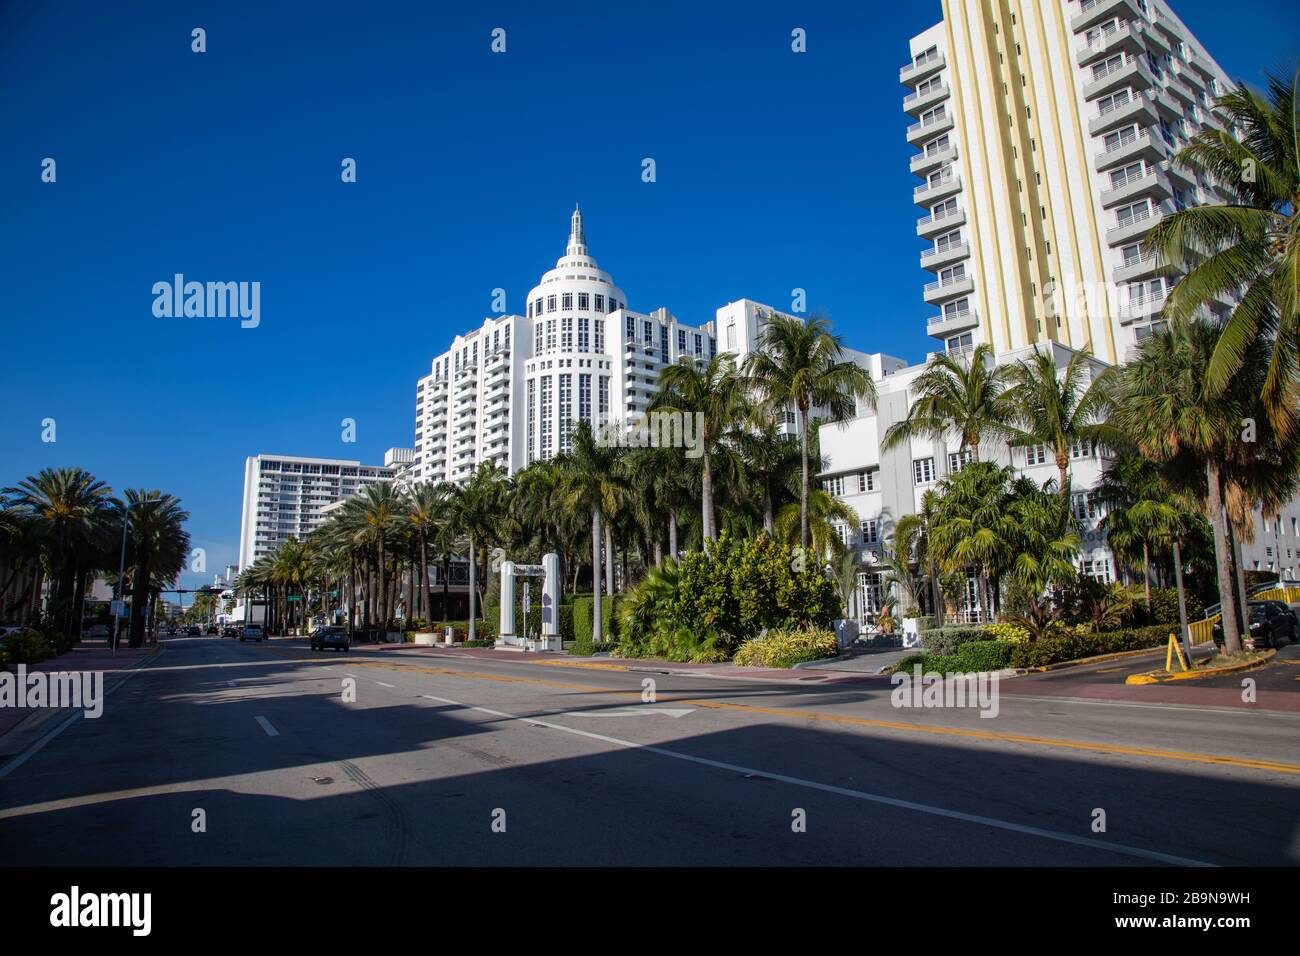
(898, 725)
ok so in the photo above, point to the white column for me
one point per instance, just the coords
(507, 630)
(551, 603)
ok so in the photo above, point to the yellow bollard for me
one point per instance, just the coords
(1174, 648)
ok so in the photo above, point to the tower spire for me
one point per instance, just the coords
(577, 241)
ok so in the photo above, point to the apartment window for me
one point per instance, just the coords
(952, 274)
(1086, 505)
(957, 307)
(922, 471)
(1121, 137)
(1132, 254)
(566, 334)
(944, 209)
(1036, 455)
(925, 86)
(584, 397)
(947, 241)
(566, 413)
(867, 480)
(630, 328)
(544, 442)
(566, 302)
(584, 301)
(699, 346)
(550, 303)
(957, 460)
(1136, 212)
(550, 334)
(834, 486)
(600, 303)
(681, 341)
(647, 332)
(939, 177)
(663, 343)
(602, 408)
(930, 117)
(600, 334)
(871, 531)
(927, 56)
(958, 342)
(613, 305)
(1098, 569)
(584, 336)
(1127, 174)
(1083, 449)
(1109, 103)
(531, 421)
(937, 144)
(1107, 66)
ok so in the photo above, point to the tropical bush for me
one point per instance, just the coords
(1076, 644)
(728, 593)
(28, 646)
(944, 640)
(1007, 631)
(785, 648)
(969, 658)
(677, 644)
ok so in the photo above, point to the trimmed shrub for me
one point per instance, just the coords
(945, 640)
(974, 656)
(1076, 645)
(785, 648)
(28, 646)
(580, 615)
(678, 644)
(1006, 631)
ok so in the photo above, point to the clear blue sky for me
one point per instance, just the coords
(775, 170)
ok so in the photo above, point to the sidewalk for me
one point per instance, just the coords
(92, 654)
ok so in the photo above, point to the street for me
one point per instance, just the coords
(218, 753)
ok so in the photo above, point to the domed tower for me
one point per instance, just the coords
(568, 377)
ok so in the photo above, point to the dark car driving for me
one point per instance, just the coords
(334, 637)
(1272, 624)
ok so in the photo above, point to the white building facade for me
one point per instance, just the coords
(510, 390)
(1045, 131)
(285, 496)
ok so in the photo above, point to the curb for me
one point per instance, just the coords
(1156, 677)
(1099, 659)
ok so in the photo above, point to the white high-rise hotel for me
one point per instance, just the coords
(1045, 130)
(508, 391)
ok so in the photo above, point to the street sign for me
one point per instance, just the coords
(294, 597)
(117, 609)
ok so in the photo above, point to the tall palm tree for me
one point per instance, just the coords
(157, 547)
(912, 542)
(590, 483)
(380, 508)
(69, 505)
(819, 523)
(1140, 510)
(714, 391)
(973, 528)
(476, 509)
(802, 364)
(962, 394)
(1165, 405)
(1059, 409)
(427, 506)
(1248, 246)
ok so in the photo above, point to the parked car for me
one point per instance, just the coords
(252, 632)
(1272, 624)
(193, 631)
(230, 631)
(335, 637)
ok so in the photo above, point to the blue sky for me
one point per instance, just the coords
(775, 171)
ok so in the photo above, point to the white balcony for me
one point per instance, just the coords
(1127, 36)
(931, 226)
(948, 323)
(915, 72)
(1141, 109)
(1134, 229)
(941, 291)
(917, 103)
(923, 163)
(1153, 183)
(1092, 12)
(1145, 145)
(934, 259)
(1132, 73)
(928, 128)
(929, 193)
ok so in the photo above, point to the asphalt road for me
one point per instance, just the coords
(437, 753)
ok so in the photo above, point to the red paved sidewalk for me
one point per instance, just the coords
(89, 655)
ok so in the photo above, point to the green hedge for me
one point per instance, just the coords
(971, 657)
(28, 646)
(787, 648)
(944, 641)
(580, 618)
(1069, 647)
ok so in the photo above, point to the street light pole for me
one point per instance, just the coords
(121, 571)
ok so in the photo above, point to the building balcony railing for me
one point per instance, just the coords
(931, 192)
(947, 289)
(936, 258)
(930, 225)
(930, 127)
(918, 70)
(1092, 12)
(923, 163)
(947, 322)
(918, 101)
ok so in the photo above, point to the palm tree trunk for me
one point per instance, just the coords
(1146, 572)
(609, 559)
(1241, 577)
(446, 586)
(473, 584)
(425, 609)
(1184, 633)
(672, 533)
(936, 594)
(803, 488)
(1063, 469)
(706, 489)
(596, 635)
(382, 595)
(1227, 599)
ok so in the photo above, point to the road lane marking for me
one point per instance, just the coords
(382, 684)
(674, 712)
(1056, 835)
(904, 726)
(266, 725)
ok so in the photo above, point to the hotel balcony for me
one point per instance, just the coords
(1188, 74)
(1127, 36)
(1133, 72)
(1140, 308)
(914, 72)
(1141, 109)
(1185, 94)
(1146, 267)
(925, 163)
(468, 374)
(1153, 183)
(934, 259)
(931, 226)
(1145, 145)
(927, 194)
(917, 103)
(936, 292)
(1134, 230)
(941, 324)
(1092, 12)
(918, 132)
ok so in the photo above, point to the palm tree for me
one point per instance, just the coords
(1248, 246)
(912, 542)
(801, 364)
(589, 483)
(715, 393)
(1059, 410)
(1163, 403)
(771, 462)
(965, 394)
(158, 546)
(69, 506)
(972, 524)
(380, 507)
(426, 508)
(1139, 510)
(819, 523)
(476, 508)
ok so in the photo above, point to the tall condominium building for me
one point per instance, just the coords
(1045, 130)
(285, 495)
(509, 390)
